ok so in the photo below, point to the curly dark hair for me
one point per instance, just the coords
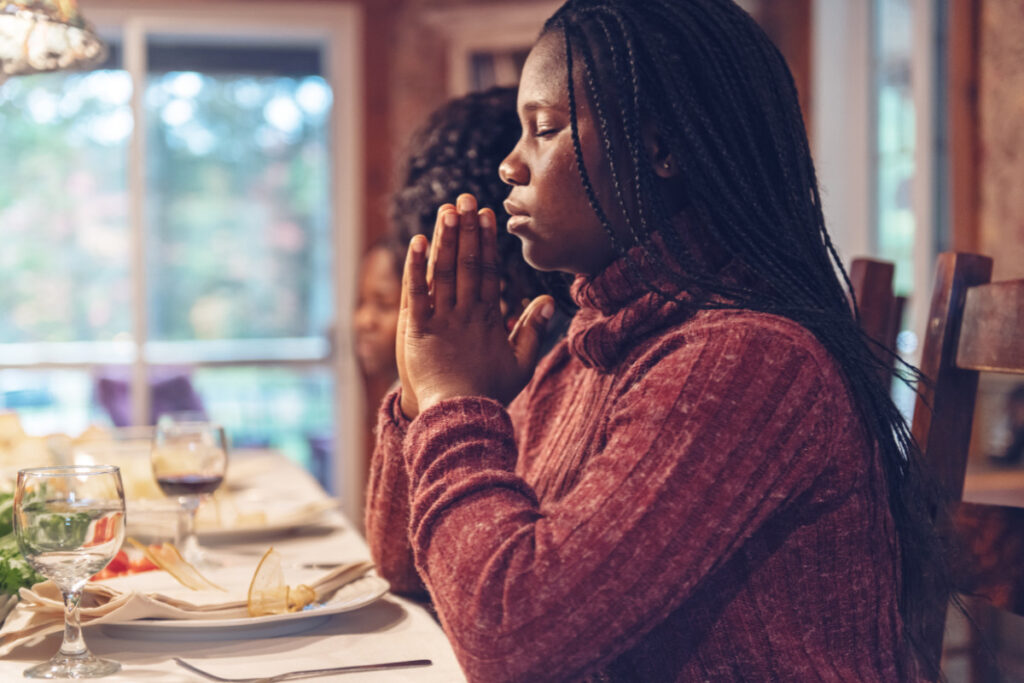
(458, 150)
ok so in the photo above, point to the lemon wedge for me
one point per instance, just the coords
(268, 592)
(167, 557)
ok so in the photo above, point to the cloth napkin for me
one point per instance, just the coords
(153, 595)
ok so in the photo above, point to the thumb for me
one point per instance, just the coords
(529, 331)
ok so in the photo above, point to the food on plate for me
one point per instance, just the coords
(124, 564)
(166, 557)
(268, 592)
(15, 571)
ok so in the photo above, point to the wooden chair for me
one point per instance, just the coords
(880, 310)
(974, 325)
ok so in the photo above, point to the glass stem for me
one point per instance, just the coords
(74, 644)
(189, 542)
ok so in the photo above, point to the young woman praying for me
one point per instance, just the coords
(705, 480)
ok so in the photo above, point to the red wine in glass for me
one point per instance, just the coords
(189, 460)
(188, 484)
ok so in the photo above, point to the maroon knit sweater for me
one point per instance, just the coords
(675, 496)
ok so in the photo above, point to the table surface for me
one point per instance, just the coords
(389, 629)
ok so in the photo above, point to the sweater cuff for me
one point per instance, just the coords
(467, 424)
(390, 413)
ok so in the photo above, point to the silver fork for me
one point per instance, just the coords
(308, 673)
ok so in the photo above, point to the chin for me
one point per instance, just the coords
(538, 260)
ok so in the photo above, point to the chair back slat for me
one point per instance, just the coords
(880, 311)
(872, 285)
(992, 329)
(945, 404)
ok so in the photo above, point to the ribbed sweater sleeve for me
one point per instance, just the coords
(703, 445)
(387, 502)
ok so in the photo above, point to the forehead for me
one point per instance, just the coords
(543, 80)
(379, 263)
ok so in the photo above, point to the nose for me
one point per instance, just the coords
(512, 170)
(363, 320)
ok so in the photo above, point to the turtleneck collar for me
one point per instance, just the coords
(618, 309)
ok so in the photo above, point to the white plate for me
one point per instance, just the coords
(359, 593)
(243, 534)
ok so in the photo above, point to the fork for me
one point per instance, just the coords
(308, 673)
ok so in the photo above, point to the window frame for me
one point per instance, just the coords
(338, 29)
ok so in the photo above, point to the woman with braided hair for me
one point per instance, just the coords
(705, 480)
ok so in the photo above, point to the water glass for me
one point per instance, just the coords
(69, 523)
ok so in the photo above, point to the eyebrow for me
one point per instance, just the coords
(534, 105)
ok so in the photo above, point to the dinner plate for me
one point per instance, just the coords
(309, 515)
(352, 596)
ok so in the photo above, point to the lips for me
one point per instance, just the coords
(518, 217)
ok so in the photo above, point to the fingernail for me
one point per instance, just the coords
(546, 311)
(465, 203)
(486, 219)
(418, 245)
(451, 219)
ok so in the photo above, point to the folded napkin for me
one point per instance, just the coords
(153, 595)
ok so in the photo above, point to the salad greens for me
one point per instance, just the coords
(15, 571)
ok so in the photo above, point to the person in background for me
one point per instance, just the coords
(706, 480)
(375, 321)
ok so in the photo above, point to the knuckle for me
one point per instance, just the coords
(444, 275)
(418, 289)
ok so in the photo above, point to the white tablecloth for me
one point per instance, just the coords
(389, 629)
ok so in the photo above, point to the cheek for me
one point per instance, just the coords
(389, 323)
(561, 189)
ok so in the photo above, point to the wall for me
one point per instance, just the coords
(1001, 121)
(997, 169)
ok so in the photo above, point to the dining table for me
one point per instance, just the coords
(387, 629)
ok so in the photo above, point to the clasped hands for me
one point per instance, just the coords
(452, 340)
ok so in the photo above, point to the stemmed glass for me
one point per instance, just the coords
(69, 522)
(189, 461)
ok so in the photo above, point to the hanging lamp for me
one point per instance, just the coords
(46, 35)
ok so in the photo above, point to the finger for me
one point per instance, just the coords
(446, 240)
(415, 291)
(468, 272)
(529, 331)
(490, 271)
(433, 244)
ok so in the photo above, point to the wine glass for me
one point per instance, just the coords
(189, 460)
(69, 523)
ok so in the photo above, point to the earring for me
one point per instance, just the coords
(666, 165)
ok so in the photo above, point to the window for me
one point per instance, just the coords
(910, 163)
(179, 229)
(910, 157)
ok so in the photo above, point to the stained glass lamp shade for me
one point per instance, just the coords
(45, 35)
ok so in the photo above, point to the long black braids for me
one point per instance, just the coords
(720, 97)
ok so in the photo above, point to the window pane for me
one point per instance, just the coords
(282, 408)
(63, 207)
(237, 201)
(896, 131)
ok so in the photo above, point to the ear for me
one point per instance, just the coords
(658, 154)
